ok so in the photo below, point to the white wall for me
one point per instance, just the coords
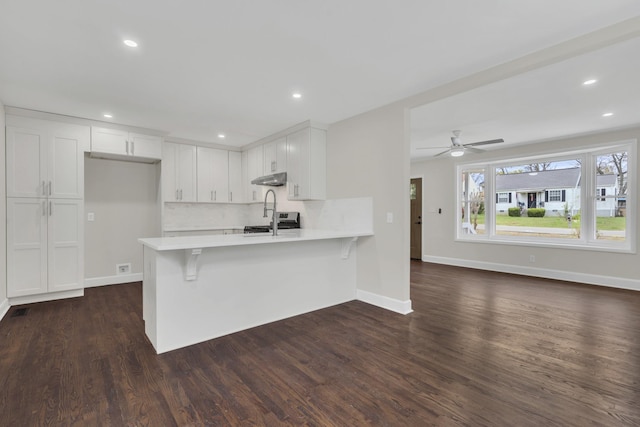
(124, 198)
(605, 268)
(368, 155)
(3, 219)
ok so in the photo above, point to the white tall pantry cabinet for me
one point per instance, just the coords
(45, 206)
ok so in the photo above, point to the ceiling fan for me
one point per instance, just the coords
(458, 149)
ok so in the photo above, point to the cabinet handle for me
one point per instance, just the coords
(44, 188)
(50, 187)
(127, 146)
(177, 194)
(212, 195)
(215, 195)
(133, 147)
(180, 194)
(274, 165)
(50, 208)
(231, 196)
(254, 195)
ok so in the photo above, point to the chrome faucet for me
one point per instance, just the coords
(274, 211)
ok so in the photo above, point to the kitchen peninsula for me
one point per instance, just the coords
(197, 288)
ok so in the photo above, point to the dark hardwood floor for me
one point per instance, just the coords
(480, 349)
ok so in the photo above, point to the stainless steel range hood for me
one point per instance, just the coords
(274, 180)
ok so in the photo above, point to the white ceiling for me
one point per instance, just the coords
(204, 67)
(543, 104)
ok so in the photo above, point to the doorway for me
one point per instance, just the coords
(416, 218)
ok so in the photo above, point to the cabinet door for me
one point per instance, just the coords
(235, 177)
(275, 156)
(205, 174)
(255, 163)
(65, 241)
(170, 190)
(112, 141)
(220, 160)
(26, 162)
(297, 151)
(66, 161)
(147, 146)
(186, 172)
(26, 246)
(306, 165)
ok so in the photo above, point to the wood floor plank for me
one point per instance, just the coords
(480, 349)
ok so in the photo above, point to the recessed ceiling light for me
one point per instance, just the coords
(607, 115)
(107, 115)
(297, 95)
(221, 135)
(589, 82)
(130, 43)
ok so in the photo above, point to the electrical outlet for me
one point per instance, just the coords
(389, 217)
(123, 268)
(91, 216)
(532, 258)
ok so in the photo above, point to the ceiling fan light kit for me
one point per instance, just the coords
(457, 151)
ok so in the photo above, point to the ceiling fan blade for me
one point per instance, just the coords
(429, 148)
(473, 150)
(490, 141)
(444, 152)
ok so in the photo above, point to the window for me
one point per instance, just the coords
(504, 197)
(579, 199)
(555, 196)
(472, 201)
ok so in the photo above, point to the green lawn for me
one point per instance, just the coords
(602, 223)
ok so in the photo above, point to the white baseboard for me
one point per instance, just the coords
(402, 307)
(4, 308)
(29, 299)
(569, 276)
(112, 280)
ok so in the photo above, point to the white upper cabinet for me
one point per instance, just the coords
(213, 175)
(255, 169)
(179, 172)
(275, 156)
(123, 145)
(45, 158)
(235, 177)
(306, 164)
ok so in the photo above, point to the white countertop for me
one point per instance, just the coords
(193, 242)
(205, 228)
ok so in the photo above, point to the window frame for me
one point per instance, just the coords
(588, 238)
